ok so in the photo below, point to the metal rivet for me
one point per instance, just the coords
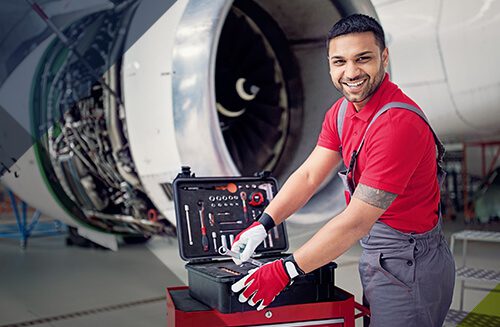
(268, 314)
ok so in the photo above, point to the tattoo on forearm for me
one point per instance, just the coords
(375, 197)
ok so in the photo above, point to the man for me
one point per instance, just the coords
(406, 268)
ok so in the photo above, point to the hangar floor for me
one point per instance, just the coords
(51, 284)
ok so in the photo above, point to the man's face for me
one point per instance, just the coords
(357, 66)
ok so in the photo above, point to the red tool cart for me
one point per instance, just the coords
(184, 311)
(210, 212)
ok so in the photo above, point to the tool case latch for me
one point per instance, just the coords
(186, 172)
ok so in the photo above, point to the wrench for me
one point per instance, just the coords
(226, 251)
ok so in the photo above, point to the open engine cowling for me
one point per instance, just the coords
(226, 87)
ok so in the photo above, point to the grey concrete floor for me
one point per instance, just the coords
(51, 284)
(103, 288)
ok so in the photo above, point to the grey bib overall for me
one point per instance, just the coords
(407, 278)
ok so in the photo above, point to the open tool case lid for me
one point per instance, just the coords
(211, 211)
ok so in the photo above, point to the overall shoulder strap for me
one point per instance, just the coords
(340, 120)
(402, 105)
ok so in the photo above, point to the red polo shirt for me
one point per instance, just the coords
(399, 156)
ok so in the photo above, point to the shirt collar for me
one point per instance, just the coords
(373, 104)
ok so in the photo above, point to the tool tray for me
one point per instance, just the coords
(210, 212)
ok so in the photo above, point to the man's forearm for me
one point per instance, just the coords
(336, 237)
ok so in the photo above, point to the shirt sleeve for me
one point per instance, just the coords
(395, 146)
(328, 137)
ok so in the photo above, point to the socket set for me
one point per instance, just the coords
(211, 211)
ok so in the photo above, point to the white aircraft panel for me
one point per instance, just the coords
(147, 78)
(436, 102)
(411, 27)
(480, 107)
(147, 86)
(472, 31)
(152, 183)
(31, 187)
(469, 42)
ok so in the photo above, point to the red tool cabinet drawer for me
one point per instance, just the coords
(184, 311)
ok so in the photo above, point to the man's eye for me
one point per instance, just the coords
(363, 59)
(338, 62)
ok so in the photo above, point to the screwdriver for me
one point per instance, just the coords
(214, 237)
(204, 237)
(243, 196)
(186, 209)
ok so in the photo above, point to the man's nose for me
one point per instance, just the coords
(351, 70)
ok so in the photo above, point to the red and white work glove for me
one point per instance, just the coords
(263, 284)
(250, 238)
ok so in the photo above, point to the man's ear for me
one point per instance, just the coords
(385, 57)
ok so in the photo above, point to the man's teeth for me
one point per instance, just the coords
(354, 84)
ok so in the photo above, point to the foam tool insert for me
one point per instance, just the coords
(211, 211)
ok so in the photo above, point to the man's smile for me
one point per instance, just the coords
(355, 85)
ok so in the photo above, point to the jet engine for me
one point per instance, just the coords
(121, 94)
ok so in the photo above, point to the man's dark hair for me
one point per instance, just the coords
(357, 23)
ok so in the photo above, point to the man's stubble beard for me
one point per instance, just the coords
(373, 88)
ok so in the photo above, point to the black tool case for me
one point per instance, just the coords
(211, 211)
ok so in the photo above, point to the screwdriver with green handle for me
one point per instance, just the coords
(204, 237)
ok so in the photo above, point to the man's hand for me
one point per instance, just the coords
(247, 241)
(262, 284)
(265, 283)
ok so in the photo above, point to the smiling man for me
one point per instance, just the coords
(392, 186)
